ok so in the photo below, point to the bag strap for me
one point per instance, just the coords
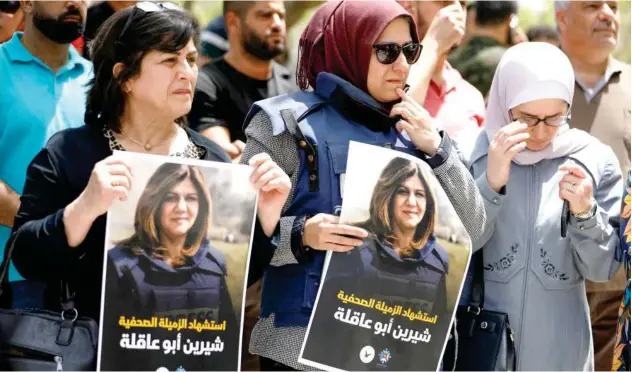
(477, 296)
(511, 350)
(66, 296)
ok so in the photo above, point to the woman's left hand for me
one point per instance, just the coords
(576, 188)
(274, 186)
(417, 123)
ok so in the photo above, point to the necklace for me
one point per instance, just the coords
(148, 146)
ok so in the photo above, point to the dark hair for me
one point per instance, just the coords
(543, 32)
(166, 31)
(380, 221)
(491, 13)
(147, 226)
(238, 7)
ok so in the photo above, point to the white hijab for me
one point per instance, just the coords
(531, 71)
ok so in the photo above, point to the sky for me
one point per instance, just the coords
(535, 5)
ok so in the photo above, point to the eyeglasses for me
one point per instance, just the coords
(146, 7)
(9, 7)
(388, 53)
(553, 121)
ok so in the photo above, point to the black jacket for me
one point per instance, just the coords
(55, 177)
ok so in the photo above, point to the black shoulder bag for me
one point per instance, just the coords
(484, 340)
(40, 340)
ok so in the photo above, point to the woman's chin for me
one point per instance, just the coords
(387, 98)
(178, 234)
(180, 109)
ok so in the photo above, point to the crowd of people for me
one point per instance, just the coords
(515, 125)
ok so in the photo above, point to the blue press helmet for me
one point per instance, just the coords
(214, 40)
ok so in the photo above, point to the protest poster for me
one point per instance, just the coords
(388, 304)
(175, 267)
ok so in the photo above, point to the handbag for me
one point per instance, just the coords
(34, 339)
(483, 339)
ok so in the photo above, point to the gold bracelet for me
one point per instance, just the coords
(589, 213)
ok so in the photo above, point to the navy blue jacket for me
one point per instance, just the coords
(328, 119)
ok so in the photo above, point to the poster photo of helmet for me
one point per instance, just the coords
(390, 301)
(176, 263)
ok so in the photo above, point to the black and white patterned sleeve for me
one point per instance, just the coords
(460, 187)
(283, 151)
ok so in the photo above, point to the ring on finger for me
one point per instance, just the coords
(115, 183)
(569, 186)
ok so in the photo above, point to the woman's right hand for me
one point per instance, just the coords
(508, 142)
(325, 233)
(111, 179)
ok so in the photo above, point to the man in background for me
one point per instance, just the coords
(213, 41)
(227, 87)
(601, 106)
(544, 33)
(470, 18)
(454, 103)
(97, 15)
(43, 90)
(495, 22)
(11, 19)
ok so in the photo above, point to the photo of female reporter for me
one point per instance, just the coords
(401, 275)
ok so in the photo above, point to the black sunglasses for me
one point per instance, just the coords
(146, 7)
(9, 7)
(388, 52)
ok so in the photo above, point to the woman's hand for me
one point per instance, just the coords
(576, 188)
(111, 179)
(417, 123)
(324, 232)
(274, 186)
(508, 142)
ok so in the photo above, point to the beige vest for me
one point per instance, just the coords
(607, 117)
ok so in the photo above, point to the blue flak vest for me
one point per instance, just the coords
(374, 270)
(194, 291)
(323, 134)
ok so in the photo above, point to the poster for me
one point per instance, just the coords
(388, 304)
(174, 277)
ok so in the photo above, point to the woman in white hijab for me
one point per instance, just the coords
(526, 163)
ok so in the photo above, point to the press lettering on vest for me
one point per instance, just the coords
(199, 314)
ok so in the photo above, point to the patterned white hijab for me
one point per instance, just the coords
(528, 72)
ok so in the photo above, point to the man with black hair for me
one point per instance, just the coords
(228, 86)
(43, 90)
(544, 33)
(494, 32)
(247, 73)
(213, 41)
(97, 15)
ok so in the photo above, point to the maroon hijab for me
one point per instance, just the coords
(340, 36)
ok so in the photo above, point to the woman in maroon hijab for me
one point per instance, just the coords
(356, 57)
